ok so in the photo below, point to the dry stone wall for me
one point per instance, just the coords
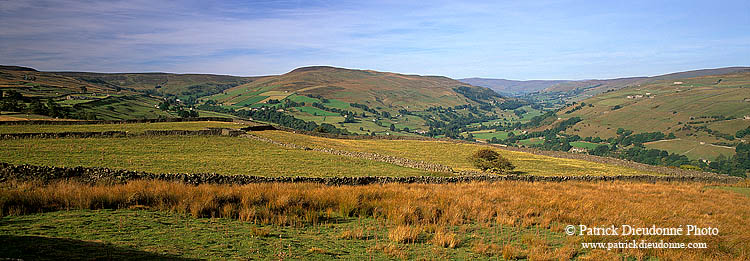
(9, 172)
(85, 122)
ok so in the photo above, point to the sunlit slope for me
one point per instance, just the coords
(375, 89)
(667, 106)
(456, 155)
(703, 112)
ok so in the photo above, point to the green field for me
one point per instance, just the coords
(316, 112)
(250, 101)
(585, 145)
(692, 149)
(487, 135)
(531, 141)
(192, 154)
(124, 107)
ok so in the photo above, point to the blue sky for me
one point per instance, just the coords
(496, 39)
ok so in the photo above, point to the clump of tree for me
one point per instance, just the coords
(490, 160)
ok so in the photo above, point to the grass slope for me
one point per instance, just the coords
(375, 89)
(667, 106)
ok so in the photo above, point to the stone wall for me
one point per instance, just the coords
(83, 134)
(10, 172)
(74, 122)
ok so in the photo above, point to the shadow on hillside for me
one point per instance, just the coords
(45, 248)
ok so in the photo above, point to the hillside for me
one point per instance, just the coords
(361, 101)
(375, 89)
(162, 83)
(703, 112)
(511, 87)
(106, 96)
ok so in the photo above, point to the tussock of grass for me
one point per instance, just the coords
(445, 239)
(404, 234)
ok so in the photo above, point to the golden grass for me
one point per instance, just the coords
(404, 234)
(445, 239)
(456, 155)
(410, 210)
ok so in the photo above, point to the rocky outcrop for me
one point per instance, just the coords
(10, 172)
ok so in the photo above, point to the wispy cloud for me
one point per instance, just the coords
(546, 39)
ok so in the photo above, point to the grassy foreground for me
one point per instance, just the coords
(507, 220)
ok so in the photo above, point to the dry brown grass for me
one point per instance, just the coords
(488, 249)
(357, 233)
(411, 209)
(404, 234)
(445, 239)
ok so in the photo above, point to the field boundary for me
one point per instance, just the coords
(93, 175)
(116, 134)
(86, 122)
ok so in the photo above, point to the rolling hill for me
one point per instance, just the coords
(557, 92)
(375, 89)
(703, 112)
(110, 96)
(578, 90)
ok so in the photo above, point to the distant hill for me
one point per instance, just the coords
(562, 91)
(582, 89)
(511, 87)
(111, 95)
(372, 88)
(164, 83)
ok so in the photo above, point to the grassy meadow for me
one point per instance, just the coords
(504, 220)
(456, 155)
(193, 154)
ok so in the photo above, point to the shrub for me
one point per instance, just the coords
(489, 160)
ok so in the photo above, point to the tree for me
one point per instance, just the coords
(83, 89)
(37, 107)
(393, 127)
(489, 160)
